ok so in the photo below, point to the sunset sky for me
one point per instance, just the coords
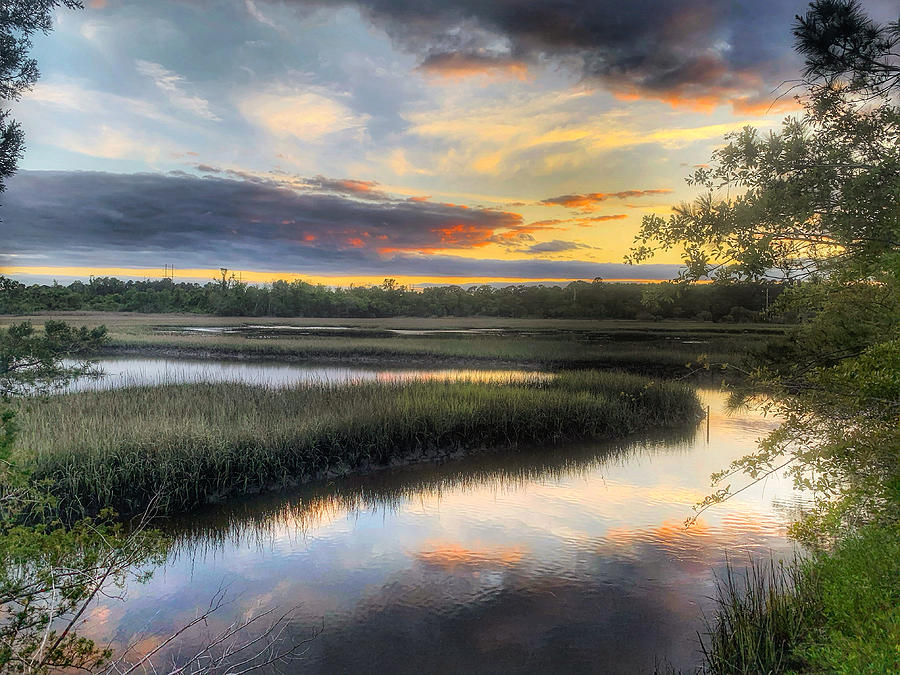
(340, 141)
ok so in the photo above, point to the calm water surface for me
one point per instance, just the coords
(556, 559)
(125, 372)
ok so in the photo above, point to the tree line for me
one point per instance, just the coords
(735, 301)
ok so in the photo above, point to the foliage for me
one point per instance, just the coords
(579, 299)
(50, 573)
(818, 200)
(19, 21)
(857, 628)
(841, 43)
(34, 363)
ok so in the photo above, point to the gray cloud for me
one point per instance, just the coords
(555, 246)
(692, 51)
(361, 189)
(155, 212)
(79, 218)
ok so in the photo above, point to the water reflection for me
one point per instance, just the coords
(129, 372)
(564, 559)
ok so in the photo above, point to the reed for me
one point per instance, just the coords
(197, 443)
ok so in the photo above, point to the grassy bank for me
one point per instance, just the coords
(649, 358)
(835, 612)
(197, 443)
(669, 348)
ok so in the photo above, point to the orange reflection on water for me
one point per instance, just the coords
(450, 556)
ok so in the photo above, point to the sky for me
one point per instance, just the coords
(430, 141)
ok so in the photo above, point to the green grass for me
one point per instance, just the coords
(196, 443)
(836, 612)
(859, 605)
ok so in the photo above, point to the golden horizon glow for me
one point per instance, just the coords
(257, 277)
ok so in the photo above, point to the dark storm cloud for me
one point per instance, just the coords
(154, 212)
(102, 219)
(694, 52)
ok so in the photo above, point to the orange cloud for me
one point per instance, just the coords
(711, 84)
(548, 224)
(462, 235)
(591, 201)
(456, 66)
(353, 187)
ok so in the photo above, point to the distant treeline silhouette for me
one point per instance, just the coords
(739, 301)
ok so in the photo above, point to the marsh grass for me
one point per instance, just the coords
(761, 614)
(660, 356)
(196, 443)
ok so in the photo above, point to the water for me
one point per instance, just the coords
(275, 330)
(124, 371)
(563, 559)
(258, 330)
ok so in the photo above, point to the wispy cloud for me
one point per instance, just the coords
(173, 85)
(255, 12)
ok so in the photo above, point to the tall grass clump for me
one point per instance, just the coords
(197, 443)
(836, 611)
(761, 615)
